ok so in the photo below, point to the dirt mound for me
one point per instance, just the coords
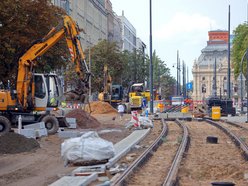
(84, 119)
(99, 107)
(12, 143)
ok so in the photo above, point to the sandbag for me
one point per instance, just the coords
(88, 147)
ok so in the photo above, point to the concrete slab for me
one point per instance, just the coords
(93, 168)
(41, 132)
(40, 125)
(75, 180)
(125, 145)
(68, 134)
(29, 133)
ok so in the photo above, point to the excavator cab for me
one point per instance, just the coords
(47, 91)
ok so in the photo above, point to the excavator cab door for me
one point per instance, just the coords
(54, 90)
(41, 93)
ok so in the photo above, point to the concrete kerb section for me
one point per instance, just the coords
(75, 180)
(124, 146)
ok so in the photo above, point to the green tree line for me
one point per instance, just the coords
(25, 21)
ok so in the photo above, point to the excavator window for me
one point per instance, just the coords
(40, 89)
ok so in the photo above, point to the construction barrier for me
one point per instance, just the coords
(216, 113)
(185, 109)
(135, 118)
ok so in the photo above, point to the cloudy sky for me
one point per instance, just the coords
(180, 24)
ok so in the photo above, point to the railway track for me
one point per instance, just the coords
(164, 163)
(208, 163)
(163, 147)
(238, 133)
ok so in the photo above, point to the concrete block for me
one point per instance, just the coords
(71, 120)
(40, 125)
(72, 126)
(103, 178)
(93, 168)
(29, 133)
(68, 134)
(41, 132)
(75, 180)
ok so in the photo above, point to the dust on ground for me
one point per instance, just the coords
(45, 165)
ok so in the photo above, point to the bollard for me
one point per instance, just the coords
(19, 124)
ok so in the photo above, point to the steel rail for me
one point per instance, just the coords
(142, 158)
(171, 178)
(237, 141)
(234, 124)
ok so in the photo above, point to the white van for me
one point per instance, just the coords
(177, 100)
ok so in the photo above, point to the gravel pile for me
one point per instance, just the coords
(100, 107)
(12, 143)
(84, 119)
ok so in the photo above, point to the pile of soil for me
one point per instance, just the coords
(100, 107)
(12, 143)
(84, 119)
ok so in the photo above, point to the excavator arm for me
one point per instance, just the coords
(67, 29)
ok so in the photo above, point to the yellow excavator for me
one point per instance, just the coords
(35, 94)
(107, 86)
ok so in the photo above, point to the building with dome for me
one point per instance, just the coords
(204, 66)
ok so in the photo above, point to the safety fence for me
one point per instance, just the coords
(167, 106)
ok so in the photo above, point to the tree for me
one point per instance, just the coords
(106, 53)
(240, 43)
(23, 22)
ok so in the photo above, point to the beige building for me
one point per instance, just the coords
(203, 68)
(91, 16)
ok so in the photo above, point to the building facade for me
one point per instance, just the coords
(97, 18)
(128, 34)
(91, 16)
(204, 68)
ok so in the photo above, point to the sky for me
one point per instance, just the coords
(181, 25)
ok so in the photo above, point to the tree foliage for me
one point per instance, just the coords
(105, 53)
(240, 43)
(23, 22)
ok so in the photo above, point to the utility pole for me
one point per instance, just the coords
(187, 80)
(151, 65)
(177, 73)
(215, 86)
(184, 80)
(179, 76)
(229, 68)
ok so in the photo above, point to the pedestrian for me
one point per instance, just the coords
(121, 109)
(143, 106)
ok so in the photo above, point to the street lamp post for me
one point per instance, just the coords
(247, 85)
(215, 86)
(151, 65)
(178, 83)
